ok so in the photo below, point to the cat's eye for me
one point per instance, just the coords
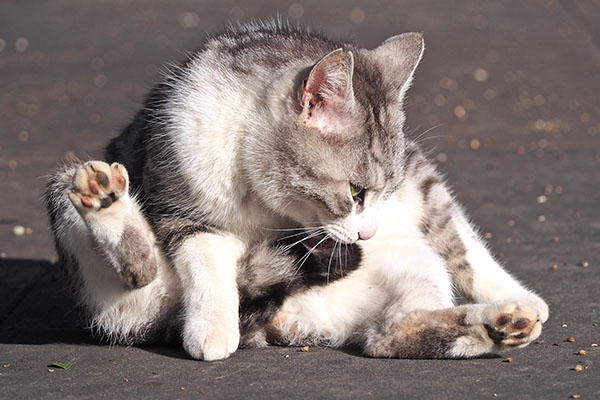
(355, 190)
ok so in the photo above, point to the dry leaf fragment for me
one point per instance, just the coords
(582, 352)
(305, 349)
(578, 368)
(571, 339)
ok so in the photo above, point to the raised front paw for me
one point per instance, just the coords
(512, 324)
(97, 185)
(211, 337)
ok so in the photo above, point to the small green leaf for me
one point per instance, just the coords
(61, 365)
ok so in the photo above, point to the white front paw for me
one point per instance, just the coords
(211, 337)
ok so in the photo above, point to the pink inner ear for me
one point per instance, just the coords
(305, 94)
(329, 121)
(327, 96)
(317, 85)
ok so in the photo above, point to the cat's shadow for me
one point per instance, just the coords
(34, 306)
(357, 353)
(167, 350)
(36, 309)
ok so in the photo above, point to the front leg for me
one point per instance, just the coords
(206, 264)
(476, 274)
(490, 282)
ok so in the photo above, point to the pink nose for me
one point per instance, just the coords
(366, 234)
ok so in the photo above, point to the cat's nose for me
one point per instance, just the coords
(366, 234)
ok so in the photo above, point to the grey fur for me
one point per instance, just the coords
(316, 117)
(438, 223)
(268, 271)
(62, 214)
(132, 262)
(278, 152)
(422, 334)
(135, 256)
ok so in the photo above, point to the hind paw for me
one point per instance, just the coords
(512, 325)
(97, 185)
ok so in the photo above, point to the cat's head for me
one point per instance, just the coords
(345, 151)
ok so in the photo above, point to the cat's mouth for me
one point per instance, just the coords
(319, 243)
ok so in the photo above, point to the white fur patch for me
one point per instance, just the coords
(118, 314)
(206, 264)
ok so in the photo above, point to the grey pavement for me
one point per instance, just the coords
(510, 91)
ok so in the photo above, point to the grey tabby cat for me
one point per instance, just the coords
(270, 132)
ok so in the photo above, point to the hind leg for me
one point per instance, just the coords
(410, 276)
(456, 332)
(401, 321)
(100, 194)
(118, 274)
(403, 309)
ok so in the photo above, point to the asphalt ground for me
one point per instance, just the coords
(508, 92)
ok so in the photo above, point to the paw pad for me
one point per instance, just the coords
(97, 185)
(503, 320)
(521, 323)
(516, 325)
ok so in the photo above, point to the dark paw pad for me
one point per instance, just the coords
(513, 325)
(521, 323)
(105, 202)
(494, 334)
(97, 185)
(503, 320)
(102, 178)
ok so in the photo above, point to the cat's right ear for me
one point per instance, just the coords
(398, 58)
(327, 97)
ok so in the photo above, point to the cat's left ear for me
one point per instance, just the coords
(327, 97)
(398, 58)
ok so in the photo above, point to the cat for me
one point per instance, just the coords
(270, 132)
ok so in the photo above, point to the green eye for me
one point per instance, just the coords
(355, 190)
